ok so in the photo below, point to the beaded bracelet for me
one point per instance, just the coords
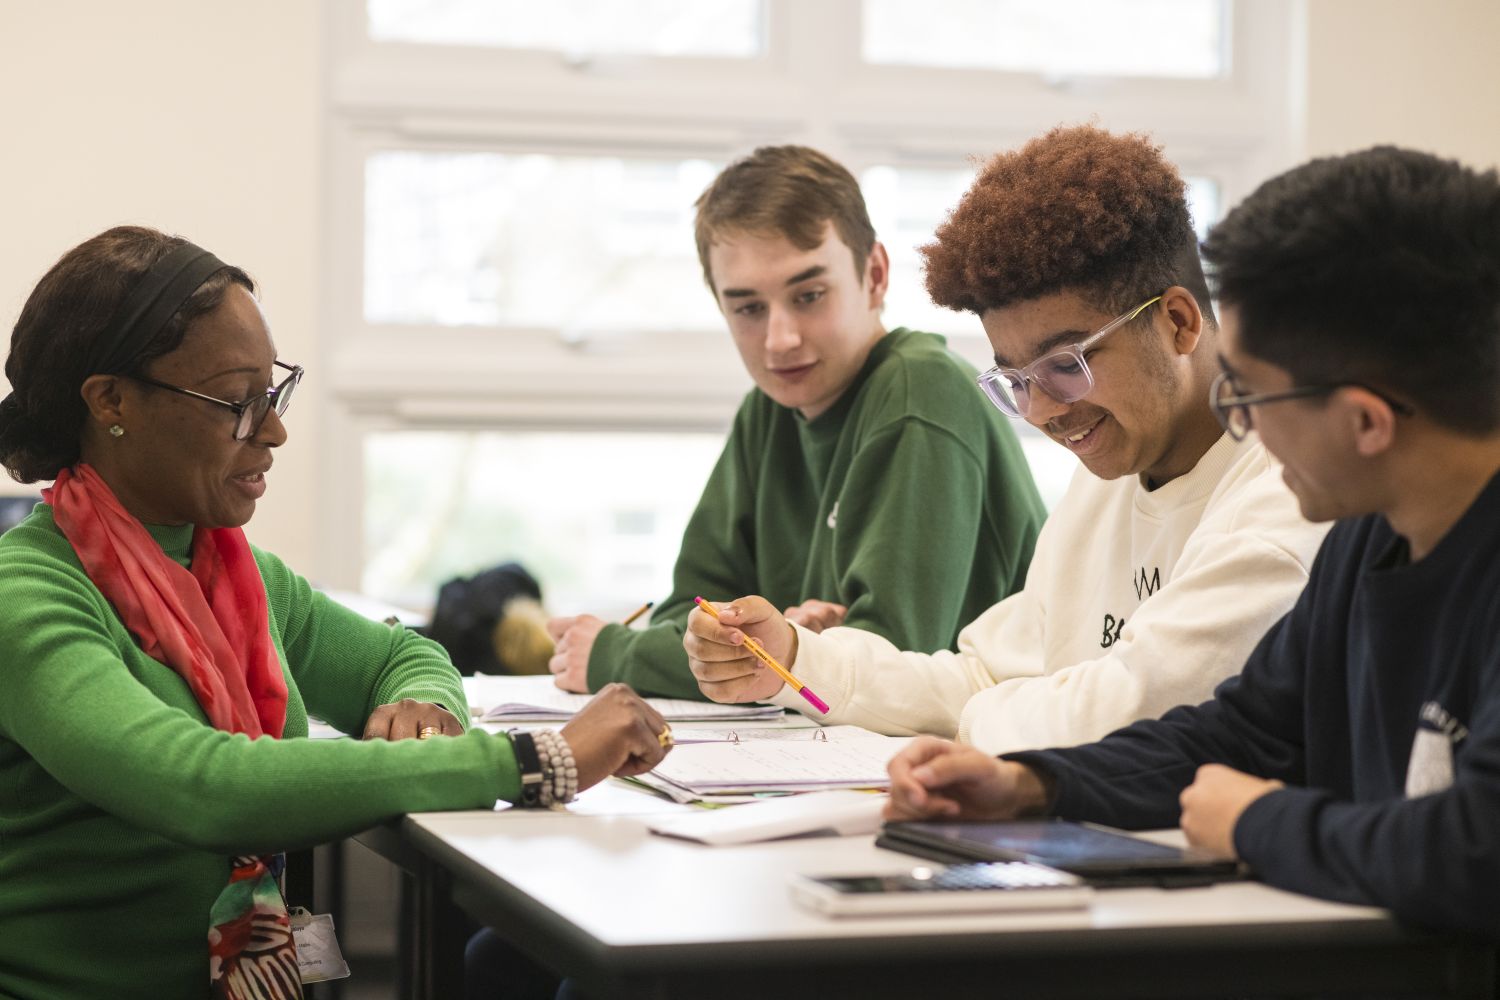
(559, 766)
(549, 774)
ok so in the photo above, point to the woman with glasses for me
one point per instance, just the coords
(156, 671)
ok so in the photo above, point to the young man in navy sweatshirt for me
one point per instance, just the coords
(1357, 757)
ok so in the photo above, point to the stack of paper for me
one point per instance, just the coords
(704, 771)
(537, 699)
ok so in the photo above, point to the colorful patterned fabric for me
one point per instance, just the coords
(251, 952)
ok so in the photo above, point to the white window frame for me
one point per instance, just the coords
(810, 87)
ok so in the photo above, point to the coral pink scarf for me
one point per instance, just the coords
(210, 625)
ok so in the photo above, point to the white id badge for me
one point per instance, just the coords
(318, 955)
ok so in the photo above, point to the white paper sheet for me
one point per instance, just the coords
(842, 812)
(781, 765)
(537, 699)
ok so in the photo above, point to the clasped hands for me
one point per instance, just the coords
(615, 733)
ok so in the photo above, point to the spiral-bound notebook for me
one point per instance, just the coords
(752, 767)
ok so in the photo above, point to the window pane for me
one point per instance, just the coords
(574, 509)
(1203, 202)
(908, 203)
(722, 28)
(582, 244)
(1170, 38)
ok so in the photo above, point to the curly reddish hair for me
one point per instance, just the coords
(1077, 209)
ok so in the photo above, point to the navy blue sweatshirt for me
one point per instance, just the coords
(1377, 700)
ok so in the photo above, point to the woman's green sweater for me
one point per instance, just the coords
(120, 807)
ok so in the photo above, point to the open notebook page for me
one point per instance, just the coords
(537, 699)
(781, 765)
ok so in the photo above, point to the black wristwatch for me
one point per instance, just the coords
(531, 768)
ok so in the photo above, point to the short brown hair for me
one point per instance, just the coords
(1077, 209)
(792, 191)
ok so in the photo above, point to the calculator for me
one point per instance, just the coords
(978, 887)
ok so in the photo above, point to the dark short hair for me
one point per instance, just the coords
(1078, 209)
(1381, 266)
(789, 191)
(57, 336)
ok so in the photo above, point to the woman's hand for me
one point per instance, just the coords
(616, 733)
(405, 720)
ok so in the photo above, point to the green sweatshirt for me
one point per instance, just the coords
(120, 806)
(908, 501)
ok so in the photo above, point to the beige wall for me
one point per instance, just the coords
(1419, 73)
(204, 118)
(195, 116)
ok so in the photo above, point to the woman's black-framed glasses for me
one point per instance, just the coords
(1234, 411)
(249, 413)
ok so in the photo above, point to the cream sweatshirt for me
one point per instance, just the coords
(1136, 601)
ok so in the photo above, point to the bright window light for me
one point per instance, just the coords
(1130, 38)
(596, 517)
(577, 244)
(712, 28)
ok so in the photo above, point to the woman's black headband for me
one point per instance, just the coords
(169, 283)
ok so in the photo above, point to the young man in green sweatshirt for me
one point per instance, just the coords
(865, 481)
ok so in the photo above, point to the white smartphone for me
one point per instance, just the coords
(1001, 885)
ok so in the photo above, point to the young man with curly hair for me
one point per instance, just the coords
(1357, 755)
(1176, 545)
(864, 481)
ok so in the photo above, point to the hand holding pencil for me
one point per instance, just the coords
(717, 644)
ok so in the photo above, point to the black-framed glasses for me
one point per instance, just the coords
(1234, 411)
(1064, 374)
(249, 413)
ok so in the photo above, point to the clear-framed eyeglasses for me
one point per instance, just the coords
(1233, 408)
(249, 413)
(1064, 374)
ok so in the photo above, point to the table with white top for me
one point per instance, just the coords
(625, 912)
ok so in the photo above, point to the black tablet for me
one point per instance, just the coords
(1102, 856)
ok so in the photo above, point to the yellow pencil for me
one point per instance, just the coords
(638, 612)
(770, 661)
